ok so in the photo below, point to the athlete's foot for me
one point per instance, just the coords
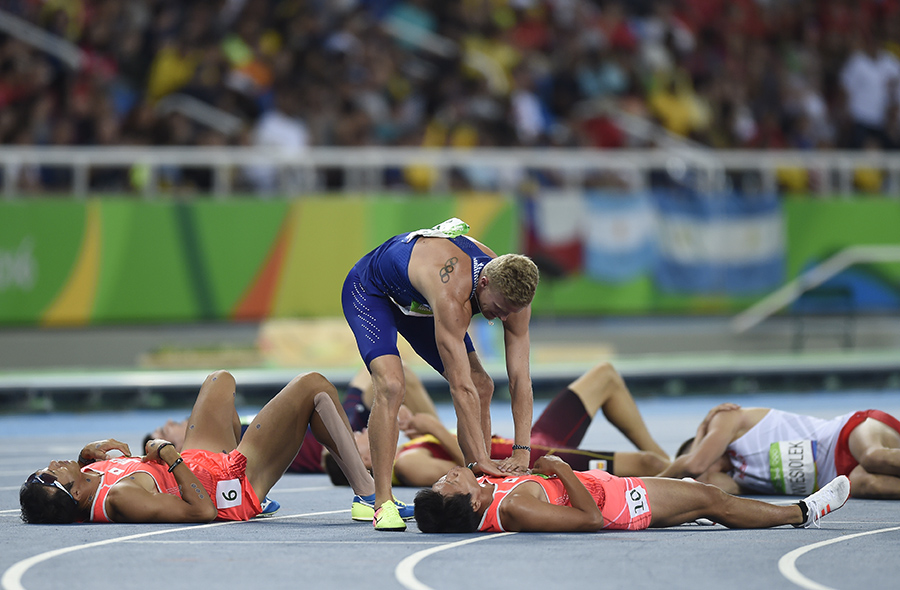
(387, 518)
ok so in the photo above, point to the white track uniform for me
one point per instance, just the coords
(792, 440)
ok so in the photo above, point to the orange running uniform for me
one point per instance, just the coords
(623, 501)
(221, 474)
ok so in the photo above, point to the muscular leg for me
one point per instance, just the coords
(276, 433)
(637, 464)
(384, 430)
(214, 424)
(357, 399)
(332, 428)
(675, 502)
(602, 387)
(876, 447)
(416, 398)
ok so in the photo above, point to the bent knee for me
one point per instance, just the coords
(879, 460)
(863, 484)
(604, 368)
(483, 382)
(220, 376)
(311, 381)
(392, 390)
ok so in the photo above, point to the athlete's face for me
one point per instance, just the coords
(65, 472)
(171, 431)
(494, 305)
(459, 480)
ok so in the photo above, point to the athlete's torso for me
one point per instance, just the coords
(554, 492)
(114, 470)
(386, 269)
(750, 454)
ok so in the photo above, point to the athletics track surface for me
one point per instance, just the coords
(312, 543)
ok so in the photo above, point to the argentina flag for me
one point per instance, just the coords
(619, 236)
(719, 244)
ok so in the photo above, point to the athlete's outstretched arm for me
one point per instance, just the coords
(516, 339)
(705, 452)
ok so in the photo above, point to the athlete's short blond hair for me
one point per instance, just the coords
(514, 276)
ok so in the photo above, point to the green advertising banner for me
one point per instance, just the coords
(107, 261)
(818, 229)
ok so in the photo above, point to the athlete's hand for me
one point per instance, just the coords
(99, 450)
(518, 463)
(151, 451)
(704, 424)
(724, 407)
(414, 425)
(489, 468)
(550, 465)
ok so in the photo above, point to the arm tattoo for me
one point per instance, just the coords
(448, 268)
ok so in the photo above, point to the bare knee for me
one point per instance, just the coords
(873, 485)
(389, 390)
(713, 499)
(880, 460)
(312, 381)
(604, 369)
(595, 377)
(862, 484)
(305, 387)
(220, 377)
(483, 384)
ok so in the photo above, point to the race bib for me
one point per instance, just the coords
(792, 467)
(228, 494)
(637, 501)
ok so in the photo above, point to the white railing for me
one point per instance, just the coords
(364, 167)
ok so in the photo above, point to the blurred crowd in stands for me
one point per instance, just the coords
(793, 74)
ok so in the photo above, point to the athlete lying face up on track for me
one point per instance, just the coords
(217, 475)
(554, 498)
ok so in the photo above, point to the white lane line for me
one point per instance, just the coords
(788, 567)
(244, 542)
(12, 577)
(404, 570)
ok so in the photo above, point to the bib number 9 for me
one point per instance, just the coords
(228, 493)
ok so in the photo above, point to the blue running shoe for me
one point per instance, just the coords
(363, 508)
(269, 507)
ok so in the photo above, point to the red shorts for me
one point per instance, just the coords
(224, 478)
(844, 461)
(626, 506)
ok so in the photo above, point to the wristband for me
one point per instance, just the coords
(472, 465)
(84, 461)
(521, 447)
(177, 462)
(161, 447)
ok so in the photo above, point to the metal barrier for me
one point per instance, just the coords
(364, 169)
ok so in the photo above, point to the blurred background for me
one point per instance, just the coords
(710, 188)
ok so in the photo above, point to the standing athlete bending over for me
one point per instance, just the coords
(427, 285)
